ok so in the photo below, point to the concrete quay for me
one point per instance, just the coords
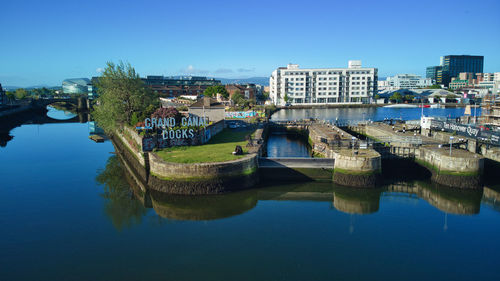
(460, 168)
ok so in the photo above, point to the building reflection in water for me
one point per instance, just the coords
(126, 203)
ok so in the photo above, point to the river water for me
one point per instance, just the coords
(369, 113)
(68, 211)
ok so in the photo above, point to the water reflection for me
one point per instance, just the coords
(287, 145)
(121, 205)
(126, 203)
(448, 200)
(370, 113)
(356, 201)
(209, 207)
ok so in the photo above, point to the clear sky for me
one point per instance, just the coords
(45, 42)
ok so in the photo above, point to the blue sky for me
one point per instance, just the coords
(45, 42)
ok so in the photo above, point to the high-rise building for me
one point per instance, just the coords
(314, 86)
(452, 65)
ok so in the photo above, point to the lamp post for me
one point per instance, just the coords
(451, 141)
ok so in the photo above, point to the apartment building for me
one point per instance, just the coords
(315, 86)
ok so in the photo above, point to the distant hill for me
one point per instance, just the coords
(12, 88)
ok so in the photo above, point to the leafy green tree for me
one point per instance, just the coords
(396, 97)
(212, 91)
(450, 98)
(11, 96)
(286, 98)
(237, 97)
(408, 98)
(434, 87)
(21, 94)
(121, 93)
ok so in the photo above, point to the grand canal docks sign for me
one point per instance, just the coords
(467, 131)
(166, 132)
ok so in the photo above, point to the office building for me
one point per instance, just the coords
(434, 73)
(316, 86)
(178, 86)
(451, 65)
(408, 81)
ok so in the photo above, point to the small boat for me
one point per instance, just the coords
(425, 105)
(437, 105)
(96, 138)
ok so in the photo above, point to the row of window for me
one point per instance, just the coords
(326, 72)
(330, 100)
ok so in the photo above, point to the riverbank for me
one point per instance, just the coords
(187, 174)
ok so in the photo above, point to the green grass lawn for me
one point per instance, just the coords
(218, 149)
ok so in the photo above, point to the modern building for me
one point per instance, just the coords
(453, 65)
(316, 86)
(434, 73)
(408, 81)
(178, 86)
(180, 81)
(76, 86)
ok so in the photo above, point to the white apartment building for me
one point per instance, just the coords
(315, 86)
(407, 81)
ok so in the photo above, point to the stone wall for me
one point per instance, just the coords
(202, 178)
(357, 170)
(455, 171)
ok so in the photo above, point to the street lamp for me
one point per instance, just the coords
(451, 141)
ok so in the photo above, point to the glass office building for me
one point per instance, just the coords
(76, 86)
(434, 72)
(453, 65)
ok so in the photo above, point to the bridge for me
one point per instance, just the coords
(296, 162)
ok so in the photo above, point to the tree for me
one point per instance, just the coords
(377, 96)
(167, 113)
(286, 98)
(396, 97)
(237, 97)
(20, 93)
(408, 98)
(121, 94)
(437, 98)
(450, 98)
(434, 87)
(212, 91)
(11, 96)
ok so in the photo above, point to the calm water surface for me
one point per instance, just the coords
(370, 113)
(69, 212)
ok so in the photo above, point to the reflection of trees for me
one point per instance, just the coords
(121, 206)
